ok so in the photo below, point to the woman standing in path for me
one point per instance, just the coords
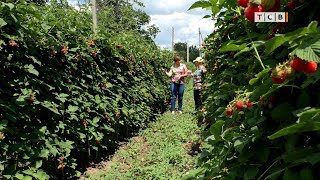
(178, 72)
(197, 81)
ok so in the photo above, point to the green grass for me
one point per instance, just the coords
(159, 152)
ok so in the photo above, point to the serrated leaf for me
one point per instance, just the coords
(215, 10)
(200, 4)
(309, 115)
(90, 76)
(50, 106)
(232, 47)
(276, 42)
(296, 128)
(193, 174)
(108, 128)
(206, 16)
(44, 153)
(35, 60)
(72, 108)
(2, 23)
(216, 129)
(30, 69)
(10, 5)
(38, 164)
(74, 49)
(309, 49)
(239, 144)
(121, 79)
(19, 176)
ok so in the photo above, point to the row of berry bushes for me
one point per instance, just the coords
(67, 97)
(261, 112)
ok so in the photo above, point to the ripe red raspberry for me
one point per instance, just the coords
(229, 112)
(297, 64)
(249, 104)
(239, 105)
(310, 67)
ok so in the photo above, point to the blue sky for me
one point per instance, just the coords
(166, 14)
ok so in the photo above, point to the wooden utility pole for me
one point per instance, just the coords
(199, 42)
(187, 51)
(173, 40)
(94, 16)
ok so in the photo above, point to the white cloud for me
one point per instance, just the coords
(166, 14)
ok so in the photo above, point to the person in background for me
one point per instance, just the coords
(197, 81)
(178, 72)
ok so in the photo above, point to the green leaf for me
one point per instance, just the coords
(35, 60)
(296, 128)
(2, 23)
(121, 79)
(14, 18)
(50, 106)
(74, 49)
(44, 153)
(313, 158)
(216, 129)
(308, 49)
(30, 69)
(89, 76)
(297, 155)
(240, 143)
(109, 129)
(253, 81)
(10, 5)
(38, 164)
(232, 47)
(193, 174)
(263, 73)
(72, 109)
(200, 4)
(20, 176)
(206, 16)
(276, 42)
(309, 115)
(215, 10)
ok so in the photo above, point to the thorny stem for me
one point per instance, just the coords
(254, 47)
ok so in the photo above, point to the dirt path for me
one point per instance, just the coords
(167, 149)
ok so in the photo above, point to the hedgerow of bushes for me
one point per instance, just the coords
(262, 103)
(68, 96)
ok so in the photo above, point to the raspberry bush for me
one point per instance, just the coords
(67, 97)
(275, 135)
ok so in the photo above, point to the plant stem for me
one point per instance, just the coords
(255, 49)
(267, 169)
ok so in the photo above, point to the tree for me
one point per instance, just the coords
(120, 15)
(180, 49)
